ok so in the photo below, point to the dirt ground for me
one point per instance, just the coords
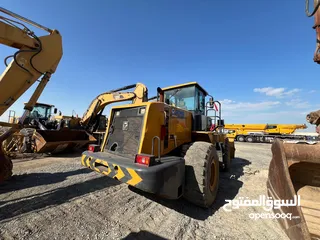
(57, 198)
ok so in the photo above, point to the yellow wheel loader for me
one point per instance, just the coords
(165, 147)
(294, 173)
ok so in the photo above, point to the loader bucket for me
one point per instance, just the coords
(52, 141)
(295, 170)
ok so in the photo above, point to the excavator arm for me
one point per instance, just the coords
(36, 57)
(91, 117)
(314, 117)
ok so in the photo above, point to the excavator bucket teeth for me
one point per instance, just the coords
(5, 166)
(61, 141)
(294, 172)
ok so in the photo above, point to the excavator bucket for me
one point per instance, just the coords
(294, 172)
(61, 141)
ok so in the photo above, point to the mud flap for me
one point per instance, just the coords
(295, 170)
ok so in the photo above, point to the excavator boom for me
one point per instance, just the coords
(36, 57)
(89, 119)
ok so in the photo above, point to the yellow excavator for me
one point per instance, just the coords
(165, 147)
(37, 57)
(39, 135)
(90, 119)
(294, 173)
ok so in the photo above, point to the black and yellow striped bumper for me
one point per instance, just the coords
(165, 179)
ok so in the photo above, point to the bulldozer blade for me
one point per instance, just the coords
(294, 171)
(52, 141)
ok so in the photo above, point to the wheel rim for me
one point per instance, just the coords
(213, 176)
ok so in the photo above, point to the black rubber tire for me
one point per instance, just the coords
(226, 156)
(249, 139)
(240, 139)
(27, 140)
(201, 181)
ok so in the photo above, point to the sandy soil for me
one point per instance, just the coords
(57, 198)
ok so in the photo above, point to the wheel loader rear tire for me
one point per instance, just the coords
(201, 174)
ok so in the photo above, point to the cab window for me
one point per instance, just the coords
(183, 98)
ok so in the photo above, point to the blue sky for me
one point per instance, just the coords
(254, 56)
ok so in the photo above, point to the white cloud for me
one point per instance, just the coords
(261, 112)
(298, 103)
(228, 104)
(312, 91)
(276, 92)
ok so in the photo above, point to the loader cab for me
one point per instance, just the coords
(190, 97)
(40, 111)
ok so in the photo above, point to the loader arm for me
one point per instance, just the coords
(90, 119)
(36, 57)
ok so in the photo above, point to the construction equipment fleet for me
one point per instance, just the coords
(165, 147)
(36, 57)
(46, 132)
(294, 173)
(43, 126)
(264, 133)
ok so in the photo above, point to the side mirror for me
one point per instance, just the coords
(211, 102)
(55, 110)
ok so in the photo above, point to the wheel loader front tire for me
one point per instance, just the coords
(226, 156)
(201, 174)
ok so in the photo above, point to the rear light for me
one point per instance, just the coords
(145, 159)
(94, 148)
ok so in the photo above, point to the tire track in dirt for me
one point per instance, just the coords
(63, 200)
